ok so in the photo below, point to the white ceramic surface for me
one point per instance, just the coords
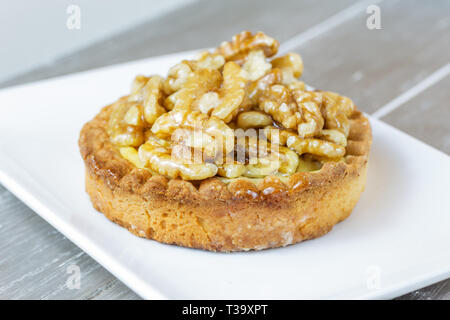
(396, 240)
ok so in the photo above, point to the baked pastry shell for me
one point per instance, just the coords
(237, 216)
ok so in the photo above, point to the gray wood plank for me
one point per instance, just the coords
(200, 25)
(427, 116)
(34, 258)
(440, 290)
(375, 66)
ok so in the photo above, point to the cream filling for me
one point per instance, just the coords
(305, 165)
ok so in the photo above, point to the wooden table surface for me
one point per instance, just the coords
(399, 73)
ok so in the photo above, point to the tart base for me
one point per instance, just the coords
(215, 216)
(238, 228)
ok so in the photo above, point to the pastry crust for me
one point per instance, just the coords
(217, 216)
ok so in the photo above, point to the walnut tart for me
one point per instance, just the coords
(229, 151)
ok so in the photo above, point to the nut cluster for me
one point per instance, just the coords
(197, 110)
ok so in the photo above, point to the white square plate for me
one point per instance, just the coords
(396, 240)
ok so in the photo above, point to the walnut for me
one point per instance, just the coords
(238, 48)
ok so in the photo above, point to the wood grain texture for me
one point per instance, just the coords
(440, 290)
(427, 116)
(34, 258)
(373, 67)
(199, 25)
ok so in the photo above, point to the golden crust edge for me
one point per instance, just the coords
(221, 209)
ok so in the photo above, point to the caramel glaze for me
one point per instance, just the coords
(269, 187)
